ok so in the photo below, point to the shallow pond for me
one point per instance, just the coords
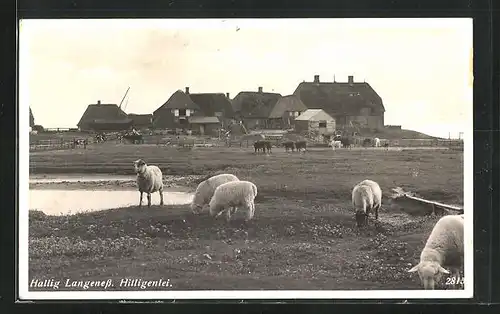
(63, 202)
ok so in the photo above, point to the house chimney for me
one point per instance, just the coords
(316, 79)
(260, 89)
(227, 95)
(98, 102)
(187, 89)
(350, 79)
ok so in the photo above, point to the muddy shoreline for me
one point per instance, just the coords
(123, 183)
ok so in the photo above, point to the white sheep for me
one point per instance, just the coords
(444, 247)
(377, 195)
(335, 144)
(149, 180)
(230, 195)
(205, 190)
(366, 196)
(377, 142)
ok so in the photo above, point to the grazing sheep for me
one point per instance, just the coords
(376, 142)
(149, 180)
(377, 195)
(366, 196)
(444, 247)
(205, 190)
(230, 195)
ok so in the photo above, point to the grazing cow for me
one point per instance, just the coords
(262, 145)
(367, 142)
(376, 142)
(80, 141)
(301, 145)
(289, 145)
(346, 142)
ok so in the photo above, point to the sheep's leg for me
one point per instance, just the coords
(228, 215)
(161, 196)
(376, 212)
(140, 199)
(149, 199)
(250, 211)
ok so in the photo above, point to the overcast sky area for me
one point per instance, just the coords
(420, 67)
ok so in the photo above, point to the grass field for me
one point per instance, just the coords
(303, 235)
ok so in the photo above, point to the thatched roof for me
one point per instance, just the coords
(339, 98)
(287, 103)
(255, 104)
(178, 100)
(141, 120)
(210, 103)
(103, 113)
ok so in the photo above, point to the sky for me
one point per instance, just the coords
(421, 68)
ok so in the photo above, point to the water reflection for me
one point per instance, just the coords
(57, 202)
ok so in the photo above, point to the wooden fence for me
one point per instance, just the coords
(56, 144)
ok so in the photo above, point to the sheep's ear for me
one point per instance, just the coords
(414, 269)
(444, 271)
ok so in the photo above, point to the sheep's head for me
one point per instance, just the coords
(361, 219)
(139, 166)
(196, 208)
(430, 273)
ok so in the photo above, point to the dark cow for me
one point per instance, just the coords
(346, 142)
(258, 146)
(134, 138)
(301, 145)
(289, 145)
(262, 146)
(80, 142)
(367, 142)
(386, 145)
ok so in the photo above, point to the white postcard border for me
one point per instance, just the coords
(23, 214)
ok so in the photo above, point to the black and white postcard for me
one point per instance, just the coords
(245, 159)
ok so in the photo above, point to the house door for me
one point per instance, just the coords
(202, 129)
(183, 122)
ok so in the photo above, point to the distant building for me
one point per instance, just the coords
(141, 121)
(104, 117)
(285, 111)
(254, 108)
(316, 122)
(350, 103)
(203, 113)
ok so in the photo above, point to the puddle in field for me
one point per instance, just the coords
(63, 202)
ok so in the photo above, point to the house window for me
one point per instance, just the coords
(182, 112)
(290, 113)
(176, 112)
(322, 124)
(297, 113)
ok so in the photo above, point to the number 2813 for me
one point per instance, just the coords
(455, 280)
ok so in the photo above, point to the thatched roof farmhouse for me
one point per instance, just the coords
(104, 117)
(348, 102)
